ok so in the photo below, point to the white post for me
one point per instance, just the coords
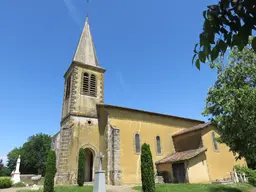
(244, 177)
(236, 177)
(241, 177)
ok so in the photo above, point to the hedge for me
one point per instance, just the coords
(5, 182)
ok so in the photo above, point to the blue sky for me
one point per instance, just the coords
(145, 45)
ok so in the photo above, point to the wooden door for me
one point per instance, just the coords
(179, 172)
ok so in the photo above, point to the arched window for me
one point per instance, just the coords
(215, 145)
(85, 87)
(137, 142)
(158, 145)
(93, 90)
(68, 84)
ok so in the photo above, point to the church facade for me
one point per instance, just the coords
(184, 149)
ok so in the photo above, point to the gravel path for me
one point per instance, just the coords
(110, 188)
(13, 189)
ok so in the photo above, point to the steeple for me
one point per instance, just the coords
(85, 51)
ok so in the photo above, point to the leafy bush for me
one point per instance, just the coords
(250, 174)
(81, 167)
(50, 172)
(19, 184)
(147, 170)
(5, 182)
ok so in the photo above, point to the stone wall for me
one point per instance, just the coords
(56, 146)
(62, 176)
(114, 173)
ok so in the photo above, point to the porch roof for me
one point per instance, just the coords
(181, 156)
(191, 129)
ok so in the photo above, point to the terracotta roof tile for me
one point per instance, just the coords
(181, 156)
(194, 128)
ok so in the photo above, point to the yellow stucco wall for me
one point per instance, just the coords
(148, 126)
(220, 163)
(197, 169)
(187, 141)
(83, 136)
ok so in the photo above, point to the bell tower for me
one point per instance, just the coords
(84, 80)
(84, 89)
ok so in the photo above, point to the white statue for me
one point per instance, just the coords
(16, 173)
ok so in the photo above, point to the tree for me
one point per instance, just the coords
(50, 172)
(1, 164)
(4, 171)
(231, 104)
(147, 169)
(226, 24)
(81, 167)
(12, 157)
(33, 154)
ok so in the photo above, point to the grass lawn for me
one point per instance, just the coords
(66, 189)
(200, 188)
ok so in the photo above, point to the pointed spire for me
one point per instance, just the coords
(85, 51)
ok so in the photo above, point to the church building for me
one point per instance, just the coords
(183, 150)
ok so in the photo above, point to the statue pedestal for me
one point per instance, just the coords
(15, 178)
(99, 182)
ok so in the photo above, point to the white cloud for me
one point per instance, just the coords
(72, 11)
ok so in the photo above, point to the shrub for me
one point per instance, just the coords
(147, 170)
(250, 174)
(81, 167)
(50, 172)
(19, 184)
(5, 182)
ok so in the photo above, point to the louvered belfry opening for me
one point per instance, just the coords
(89, 85)
(93, 86)
(68, 84)
(86, 84)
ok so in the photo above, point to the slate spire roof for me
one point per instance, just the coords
(85, 51)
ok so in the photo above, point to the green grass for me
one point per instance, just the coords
(200, 188)
(66, 189)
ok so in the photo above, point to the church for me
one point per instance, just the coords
(183, 150)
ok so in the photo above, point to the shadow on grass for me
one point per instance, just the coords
(224, 189)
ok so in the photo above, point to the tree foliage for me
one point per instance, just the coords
(12, 157)
(4, 171)
(228, 23)
(231, 103)
(81, 168)
(33, 154)
(147, 169)
(50, 172)
(1, 164)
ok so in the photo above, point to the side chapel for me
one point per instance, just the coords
(184, 148)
